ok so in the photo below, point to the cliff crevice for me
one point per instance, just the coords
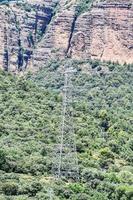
(22, 27)
(71, 33)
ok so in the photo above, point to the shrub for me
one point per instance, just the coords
(10, 188)
(106, 153)
(111, 67)
(125, 177)
(89, 175)
(34, 188)
(95, 64)
(2, 159)
(125, 191)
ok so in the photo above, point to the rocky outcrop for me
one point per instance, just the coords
(55, 43)
(104, 33)
(32, 33)
(22, 26)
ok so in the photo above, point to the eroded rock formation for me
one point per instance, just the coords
(22, 26)
(106, 33)
(32, 33)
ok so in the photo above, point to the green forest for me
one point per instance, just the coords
(30, 119)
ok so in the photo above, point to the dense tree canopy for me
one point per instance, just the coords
(30, 117)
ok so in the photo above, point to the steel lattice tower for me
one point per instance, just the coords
(65, 163)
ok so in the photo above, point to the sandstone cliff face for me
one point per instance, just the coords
(55, 43)
(30, 34)
(106, 33)
(21, 27)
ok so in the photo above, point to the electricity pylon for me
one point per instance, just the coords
(65, 162)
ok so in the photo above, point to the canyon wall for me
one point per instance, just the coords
(106, 33)
(21, 28)
(35, 32)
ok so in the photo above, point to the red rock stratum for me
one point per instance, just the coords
(33, 33)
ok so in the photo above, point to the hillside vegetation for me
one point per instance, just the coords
(30, 118)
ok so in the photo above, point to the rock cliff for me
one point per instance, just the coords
(106, 33)
(21, 28)
(31, 33)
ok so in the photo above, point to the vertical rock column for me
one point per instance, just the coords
(81, 39)
(54, 44)
(3, 39)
